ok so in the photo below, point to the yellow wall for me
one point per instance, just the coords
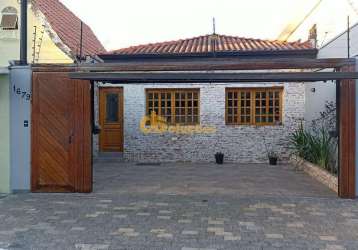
(10, 40)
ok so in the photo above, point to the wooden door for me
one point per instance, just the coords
(61, 134)
(111, 119)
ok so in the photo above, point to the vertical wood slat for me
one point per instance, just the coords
(34, 132)
(83, 133)
(347, 123)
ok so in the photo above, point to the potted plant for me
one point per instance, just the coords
(272, 157)
(219, 157)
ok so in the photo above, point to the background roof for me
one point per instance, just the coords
(212, 43)
(68, 27)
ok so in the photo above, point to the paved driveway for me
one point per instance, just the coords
(184, 206)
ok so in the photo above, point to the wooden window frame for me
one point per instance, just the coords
(253, 106)
(173, 107)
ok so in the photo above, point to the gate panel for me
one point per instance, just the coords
(61, 134)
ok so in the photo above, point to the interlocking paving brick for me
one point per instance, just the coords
(105, 201)
(158, 231)
(131, 234)
(60, 212)
(190, 232)
(246, 223)
(165, 212)
(102, 205)
(53, 217)
(335, 247)
(185, 221)
(274, 236)
(143, 214)
(231, 238)
(348, 215)
(162, 204)
(352, 221)
(288, 205)
(295, 224)
(194, 248)
(125, 208)
(216, 222)
(328, 237)
(165, 235)
(163, 217)
(91, 246)
(78, 229)
(125, 230)
(223, 233)
(68, 221)
(215, 229)
(318, 214)
(120, 216)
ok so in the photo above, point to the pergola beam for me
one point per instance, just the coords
(185, 77)
(205, 64)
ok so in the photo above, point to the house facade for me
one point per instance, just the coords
(242, 120)
(53, 33)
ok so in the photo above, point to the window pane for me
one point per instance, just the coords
(266, 106)
(112, 107)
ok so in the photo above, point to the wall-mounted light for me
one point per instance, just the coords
(313, 90)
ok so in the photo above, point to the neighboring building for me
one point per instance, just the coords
(4, 131)
(54, 36)
(318, 94)
(246, 119)
(54, 33)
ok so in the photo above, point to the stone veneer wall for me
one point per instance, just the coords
(318, 173)
(244, 144)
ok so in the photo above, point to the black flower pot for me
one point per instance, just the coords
(273, 160)
(219, 157)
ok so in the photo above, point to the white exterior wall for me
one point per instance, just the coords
(20, 118)
(239, 143)
(4, 131)
(337, 48)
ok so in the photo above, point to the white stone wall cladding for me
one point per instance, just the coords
(243, 144)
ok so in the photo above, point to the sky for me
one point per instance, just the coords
(124, 23)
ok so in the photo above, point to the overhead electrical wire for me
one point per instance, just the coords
(293, 30)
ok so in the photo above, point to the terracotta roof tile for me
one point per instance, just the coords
(68, 27)
(206, 44)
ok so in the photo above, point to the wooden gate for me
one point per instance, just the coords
(61, 134)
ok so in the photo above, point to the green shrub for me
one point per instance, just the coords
(313, 147)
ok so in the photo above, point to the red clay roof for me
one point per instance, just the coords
(205, 44)
(68, 27)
